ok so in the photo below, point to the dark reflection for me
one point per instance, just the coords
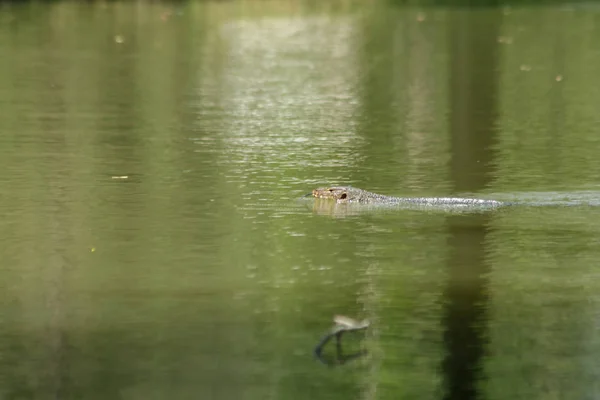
(473, 115)
(473, 96)
(340, 358)
(465, 316)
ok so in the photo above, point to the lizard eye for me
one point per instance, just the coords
(343, 196)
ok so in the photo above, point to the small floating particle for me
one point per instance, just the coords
(93, 249)
(525, 67)
(559, 78)
(120, 177)
(505, 39)
(421, 17)
(119, 39)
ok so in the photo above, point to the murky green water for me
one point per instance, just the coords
(153, 245)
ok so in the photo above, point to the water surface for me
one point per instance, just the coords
(154, 246)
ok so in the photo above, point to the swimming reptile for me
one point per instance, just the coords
(348, 194)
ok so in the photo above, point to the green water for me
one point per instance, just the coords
(152, 241)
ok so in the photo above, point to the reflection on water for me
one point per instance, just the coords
(342, 326)
(204, 274)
